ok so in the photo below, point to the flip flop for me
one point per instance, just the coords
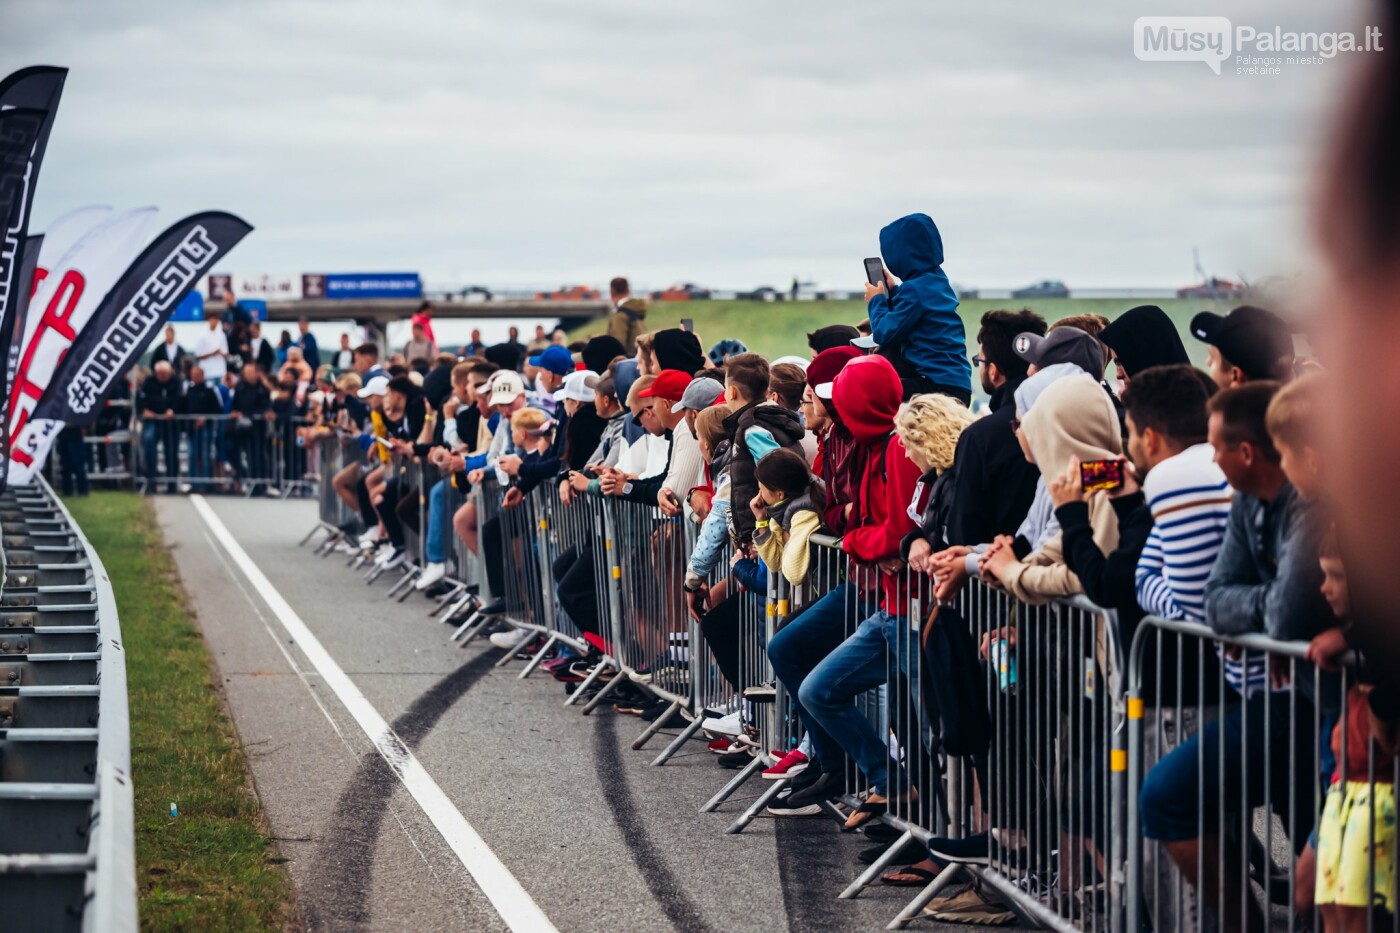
(864, 813)
(922, 877)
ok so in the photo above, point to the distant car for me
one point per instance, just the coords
(570, 293)
(474, 294)
(762, 293)
(1214, 288)
(965, 294)
(1049, 288)
(686, 292)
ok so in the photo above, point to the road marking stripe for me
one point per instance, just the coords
(516, 907)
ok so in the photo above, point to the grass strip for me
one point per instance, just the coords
(213, 866)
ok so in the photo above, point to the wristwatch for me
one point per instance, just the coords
(627, 488)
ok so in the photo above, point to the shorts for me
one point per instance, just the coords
(1345, 845)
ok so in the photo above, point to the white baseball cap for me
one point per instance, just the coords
(578, 385)
(379, 385)
(506, 387)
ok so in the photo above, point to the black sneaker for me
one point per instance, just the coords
(783, 805)
(438, 590)
(969, 850)
(735, 760)
(827, 787)
(763, 693)
(494, 609)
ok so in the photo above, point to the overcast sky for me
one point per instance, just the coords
(731, 144)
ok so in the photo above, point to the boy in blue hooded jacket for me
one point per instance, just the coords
(916, 323)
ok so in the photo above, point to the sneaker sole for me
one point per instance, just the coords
(944, 856)
(984, 920)
(812, 809)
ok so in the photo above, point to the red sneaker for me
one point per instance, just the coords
(720, 746)
(789, 765)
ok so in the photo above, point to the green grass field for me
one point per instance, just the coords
(778, 328)
(213, 866)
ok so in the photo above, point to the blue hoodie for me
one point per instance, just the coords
(920, 321)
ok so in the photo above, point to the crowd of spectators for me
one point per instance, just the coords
(1218, 517)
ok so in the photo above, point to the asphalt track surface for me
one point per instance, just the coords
(597, 838)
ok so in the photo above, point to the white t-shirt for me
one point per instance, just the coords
(214, 366)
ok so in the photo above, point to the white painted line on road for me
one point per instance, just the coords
(516, 907)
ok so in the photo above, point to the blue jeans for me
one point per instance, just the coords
(166, 435)
(803, 643)
(200, 442)
(1175, 803)
(861, 663)
(437, 515)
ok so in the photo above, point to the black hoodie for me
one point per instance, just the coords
(1144, 337)
(786, 429)
(993, 482)
(679, 349)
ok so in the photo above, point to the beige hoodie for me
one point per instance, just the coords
(1072, 417)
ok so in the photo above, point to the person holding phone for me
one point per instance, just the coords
(916, 323)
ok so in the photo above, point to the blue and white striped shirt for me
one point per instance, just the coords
(1189, 498)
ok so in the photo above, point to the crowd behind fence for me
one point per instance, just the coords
(1076, 712)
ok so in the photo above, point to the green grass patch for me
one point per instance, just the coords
(213, 866)
(778, 328)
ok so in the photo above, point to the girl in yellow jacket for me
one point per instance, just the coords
(787, 512)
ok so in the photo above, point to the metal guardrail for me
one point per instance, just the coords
(67, 857)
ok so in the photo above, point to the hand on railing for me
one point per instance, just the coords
(669, 504)
(1327, 649)
(513, 497)
(700, 503)
(697, 601)
(475, 477)
(509, 464)
(998, 558)
(565, 492)
(891, 565)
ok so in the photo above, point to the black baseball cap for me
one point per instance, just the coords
(1251, 338)
(833, 335)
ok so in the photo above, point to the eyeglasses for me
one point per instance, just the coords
(979, 361)
(1015, 424)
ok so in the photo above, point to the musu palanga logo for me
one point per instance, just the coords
(1215, 41)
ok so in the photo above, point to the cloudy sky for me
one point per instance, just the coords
(732, 144)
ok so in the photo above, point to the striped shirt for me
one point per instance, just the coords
(1189, 498)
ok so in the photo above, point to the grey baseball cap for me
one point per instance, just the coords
(1061, 345)
(699, 395)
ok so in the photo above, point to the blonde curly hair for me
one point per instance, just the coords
(931, 425)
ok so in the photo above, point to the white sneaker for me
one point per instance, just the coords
(389, 557)
(345, 547)
(732, 724)
(369, 538)
(512, 639)
(431, 574)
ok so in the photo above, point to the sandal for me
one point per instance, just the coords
(910, 876)
(874, 806)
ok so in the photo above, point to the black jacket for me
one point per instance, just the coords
(202, 399)
(266, 357)
(585, 430)
(251, 399)
(935, 495)
(786, 429)
(994, 483)
(159, 397)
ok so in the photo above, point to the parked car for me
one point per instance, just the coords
(474, 294)
(570, 293)
(762, 293)
(686, 292)
(1049, 288)
(1212, 288)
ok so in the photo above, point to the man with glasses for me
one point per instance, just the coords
(994, 482)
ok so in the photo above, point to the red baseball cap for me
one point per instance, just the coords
(670, 384)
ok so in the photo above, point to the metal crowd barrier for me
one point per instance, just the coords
(1074, 723)
(1256, 791)
(221, 453)
(67, 856)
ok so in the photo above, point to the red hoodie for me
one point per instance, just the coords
(867, 393)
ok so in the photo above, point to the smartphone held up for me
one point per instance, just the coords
(1101, 474)
(875, 271)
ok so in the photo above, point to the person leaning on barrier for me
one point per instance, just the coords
(842, 459)
(807, 652)
(1072, 420)
(201, 406)
(746, 383)
(412, 427)
(955, 563)
(1265, 580)
(159, 401)
(995, 483)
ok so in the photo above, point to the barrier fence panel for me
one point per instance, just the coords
(221, 453)
(1264, 781)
